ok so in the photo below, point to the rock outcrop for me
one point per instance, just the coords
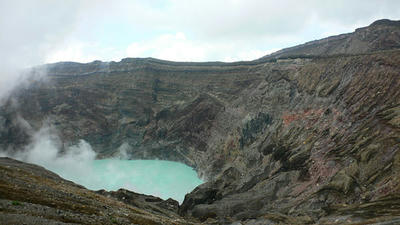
(380, 35)
(310, 132)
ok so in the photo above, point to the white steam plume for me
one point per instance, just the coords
(47, 150)
(123, 151)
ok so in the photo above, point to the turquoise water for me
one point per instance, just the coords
(164, 179)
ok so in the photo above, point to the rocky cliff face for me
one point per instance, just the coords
(305, 132)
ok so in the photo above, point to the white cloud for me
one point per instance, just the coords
(78, 51)
(211, 29)
(177, 47)
(71, 52)
(169, 47)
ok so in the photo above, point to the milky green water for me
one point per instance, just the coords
(164, 179)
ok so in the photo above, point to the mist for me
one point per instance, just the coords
(48, 151)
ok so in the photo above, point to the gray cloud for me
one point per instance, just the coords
(29, 29)
(238, 19)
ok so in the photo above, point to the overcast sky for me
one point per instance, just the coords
(43, 31)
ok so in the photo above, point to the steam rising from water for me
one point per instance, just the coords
(77, 163)
(47, 150)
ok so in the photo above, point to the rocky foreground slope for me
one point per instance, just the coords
(310, 132)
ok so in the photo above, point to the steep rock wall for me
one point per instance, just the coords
(299, 133)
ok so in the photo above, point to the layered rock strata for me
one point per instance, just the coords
(305, 132)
